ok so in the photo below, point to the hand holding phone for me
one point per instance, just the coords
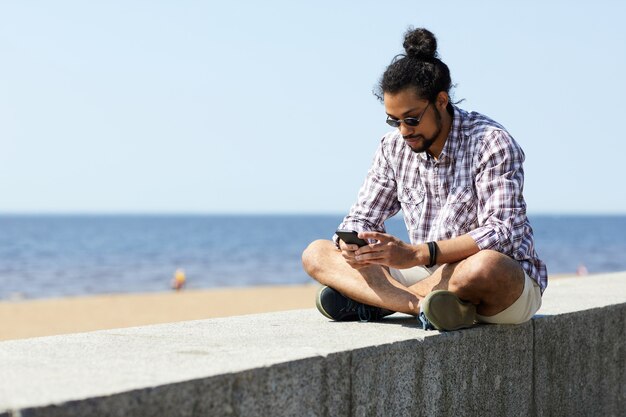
(350, 237)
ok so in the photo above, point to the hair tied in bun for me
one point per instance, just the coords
(420, 44)
(418, 68)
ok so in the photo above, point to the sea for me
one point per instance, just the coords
(45, 256)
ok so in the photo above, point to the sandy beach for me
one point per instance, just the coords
(33, 318)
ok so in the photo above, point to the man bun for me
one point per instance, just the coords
(420, 44)
(419, 68)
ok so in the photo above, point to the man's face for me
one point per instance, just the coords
(406, 104)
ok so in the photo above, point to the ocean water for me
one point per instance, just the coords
(51, 256)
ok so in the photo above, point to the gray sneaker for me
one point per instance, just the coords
(443, 310)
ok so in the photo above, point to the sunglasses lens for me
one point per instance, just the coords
(393, 122)
(411, 121)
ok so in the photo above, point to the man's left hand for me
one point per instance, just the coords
(388, 251)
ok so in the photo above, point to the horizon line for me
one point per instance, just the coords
(259, 213)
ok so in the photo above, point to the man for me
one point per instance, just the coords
(458, 178)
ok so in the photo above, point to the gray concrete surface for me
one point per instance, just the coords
(569, 360)
(580, 363)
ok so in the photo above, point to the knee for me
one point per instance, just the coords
(481, 269)
(312, 255)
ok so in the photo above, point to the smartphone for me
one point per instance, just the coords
(351, 237)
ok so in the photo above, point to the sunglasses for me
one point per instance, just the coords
(409, 121)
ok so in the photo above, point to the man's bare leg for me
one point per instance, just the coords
(372, 285)
(490, 280)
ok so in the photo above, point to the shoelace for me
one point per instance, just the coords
(364, 312)
(426, 324)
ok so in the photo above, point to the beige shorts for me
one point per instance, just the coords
(520, 311)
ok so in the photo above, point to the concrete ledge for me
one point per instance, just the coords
(570, 360)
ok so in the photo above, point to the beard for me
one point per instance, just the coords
(423, 143)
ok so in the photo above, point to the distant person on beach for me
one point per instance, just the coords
(458, 178)
(179, 280)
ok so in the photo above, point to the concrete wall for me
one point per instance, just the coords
(570, 360)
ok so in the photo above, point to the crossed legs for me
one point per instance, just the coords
(490, 280)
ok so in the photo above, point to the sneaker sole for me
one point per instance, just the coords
(447, 312)
(318, 302)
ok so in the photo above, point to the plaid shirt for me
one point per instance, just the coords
(474, 187)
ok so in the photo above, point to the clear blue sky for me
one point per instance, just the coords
(266, 107)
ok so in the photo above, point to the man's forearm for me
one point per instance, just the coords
(449, 251)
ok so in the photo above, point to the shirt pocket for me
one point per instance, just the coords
(412, 203)
(460, 210)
